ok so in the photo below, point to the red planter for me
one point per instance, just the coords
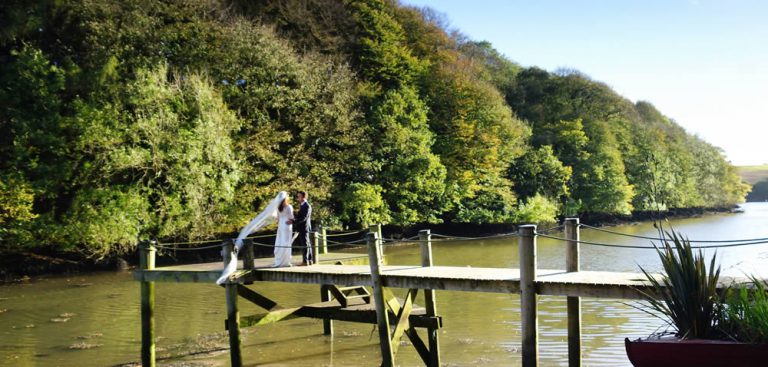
(674, 352)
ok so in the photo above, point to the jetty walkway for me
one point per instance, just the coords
(345, 296)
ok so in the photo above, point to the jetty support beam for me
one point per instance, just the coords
(528, 306)
(425, 241)
(233, 315)
(147, 262)
(382, 316)
(574, 303)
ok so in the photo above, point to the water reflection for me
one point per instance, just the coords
(479, 328)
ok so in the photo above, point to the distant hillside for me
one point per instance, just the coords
(753, 174)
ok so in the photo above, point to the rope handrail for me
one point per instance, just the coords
(159, 244)
(662, 239)
(650, 247)
(340, 234)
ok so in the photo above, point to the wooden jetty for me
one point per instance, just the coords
(345, 296)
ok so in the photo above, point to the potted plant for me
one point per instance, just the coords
(709, 327)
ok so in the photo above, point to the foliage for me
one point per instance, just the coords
(16, 199)
(745, 312)
(492, 202)
(412, 177)
(539, 171)
(537, 209)
(363, 205)
(179, 119)
(161, 165)
(686, 295)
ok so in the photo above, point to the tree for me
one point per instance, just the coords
(160, 163)
(539, 171)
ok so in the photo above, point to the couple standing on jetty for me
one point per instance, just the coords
(286, 222)
(280, 210)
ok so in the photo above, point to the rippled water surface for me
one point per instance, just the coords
(93, 320)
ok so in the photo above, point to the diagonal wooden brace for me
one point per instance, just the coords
(257, 299)
(402, 318)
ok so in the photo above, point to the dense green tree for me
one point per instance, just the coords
(539, 171)
(160, 164)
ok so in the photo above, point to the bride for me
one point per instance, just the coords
(277, 209)
(284, 236)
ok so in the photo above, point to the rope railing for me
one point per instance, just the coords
(341, 234)
(591, 243)
(441, 238)
(662, 239)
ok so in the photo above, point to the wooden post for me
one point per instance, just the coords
(574, 303)
(425, 238)
(315, 243)
(374, 228)
(382, 316)
(233, 315)
(233, 326)
(248, 256)
(325, 296)
(528, 314)
(324, 239)
(226, 251)
(381, 239)
(147, 262)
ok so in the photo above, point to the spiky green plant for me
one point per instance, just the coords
(686, 295)
(745, 312)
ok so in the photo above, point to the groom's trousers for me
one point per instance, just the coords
(306, 248)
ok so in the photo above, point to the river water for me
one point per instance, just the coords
(93, 320)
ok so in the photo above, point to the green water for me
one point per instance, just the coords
(102, 328)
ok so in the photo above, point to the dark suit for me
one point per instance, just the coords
(302, 223)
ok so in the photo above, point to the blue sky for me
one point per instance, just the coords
(703, 63)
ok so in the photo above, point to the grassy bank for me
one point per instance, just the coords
(753, 174)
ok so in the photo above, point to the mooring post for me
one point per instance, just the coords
(425, 240)
(147, 262)
(314, 243)
(325, 296)
(574, 303)
(248, 256)
(376, 229)
(528, 314)
(226, 251)
(233, 315)
(382, 316)
(324, 239)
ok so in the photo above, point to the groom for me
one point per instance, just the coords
(302, 224)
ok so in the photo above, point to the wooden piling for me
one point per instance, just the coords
(376, 228)
(147, 262)
(425, 238)
(314, 244)
(226, 251)
(233, 315)
(574, 303)
(248, 257)
(324, 239)
(233, 325)
(325, 296)
(528, 297)
(382, 316)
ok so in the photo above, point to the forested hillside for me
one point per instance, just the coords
(124, 120)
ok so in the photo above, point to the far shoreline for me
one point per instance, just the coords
(22, 266)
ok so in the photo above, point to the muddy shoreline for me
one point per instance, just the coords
(20, 266)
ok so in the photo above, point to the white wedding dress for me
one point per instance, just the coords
(284, 237)
(266, 217)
